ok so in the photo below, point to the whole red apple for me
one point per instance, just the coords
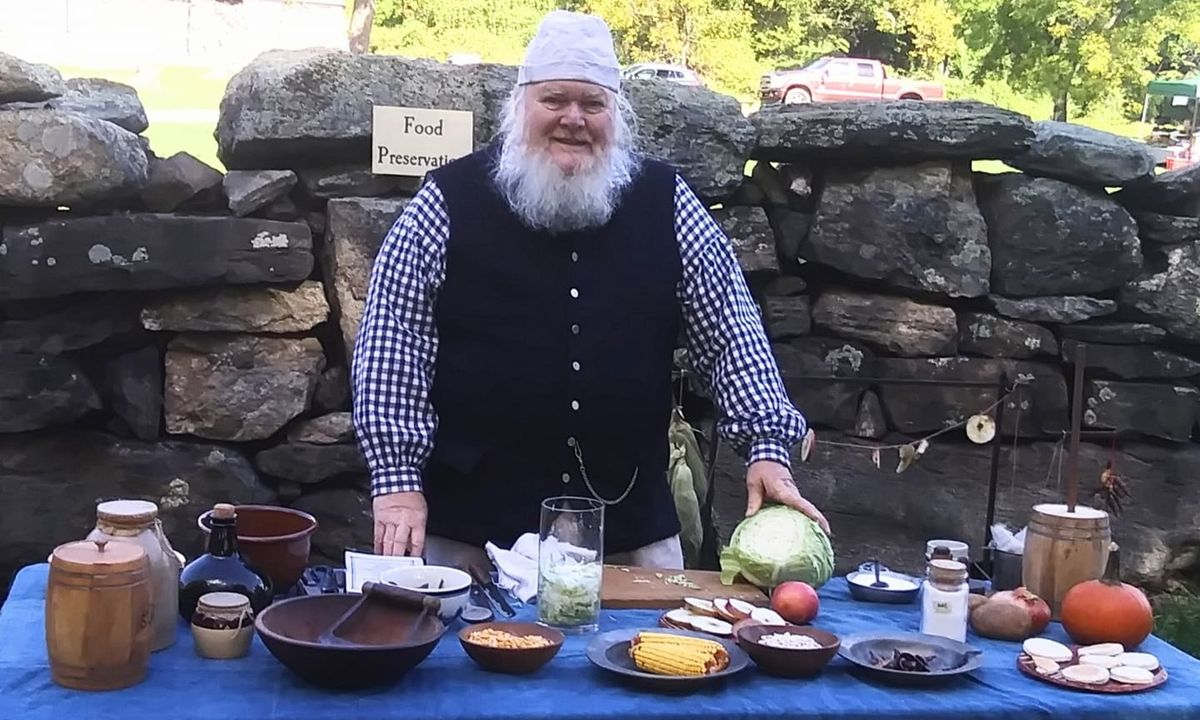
(795, 601)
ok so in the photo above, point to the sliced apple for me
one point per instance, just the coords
(741, 608)
(721, 605)
(681, 617)
(712, 625)
(767, 617)
(700, 606)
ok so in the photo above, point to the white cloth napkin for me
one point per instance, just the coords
(518, 568)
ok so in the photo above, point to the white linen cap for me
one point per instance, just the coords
(571, 46)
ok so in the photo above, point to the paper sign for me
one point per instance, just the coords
(361, 567)
(413, 141)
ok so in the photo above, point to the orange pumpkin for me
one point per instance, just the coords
(1107, 610)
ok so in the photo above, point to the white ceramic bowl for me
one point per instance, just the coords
(454, 590)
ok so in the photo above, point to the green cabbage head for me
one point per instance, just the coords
(777, 544)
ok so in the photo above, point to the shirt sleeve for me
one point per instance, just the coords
(397, 344)
(726, 343)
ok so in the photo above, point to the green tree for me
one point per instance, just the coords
(1075, 51)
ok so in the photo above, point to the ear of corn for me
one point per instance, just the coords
(667, 654)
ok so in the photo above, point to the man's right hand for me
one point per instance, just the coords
(400, 523)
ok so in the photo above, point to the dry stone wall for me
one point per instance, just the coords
(173, 332)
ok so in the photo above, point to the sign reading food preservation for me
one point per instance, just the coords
(413, 141)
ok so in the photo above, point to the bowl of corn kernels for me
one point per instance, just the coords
(510, 647)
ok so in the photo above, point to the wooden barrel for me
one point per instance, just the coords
(1063, 549)
(98, 615)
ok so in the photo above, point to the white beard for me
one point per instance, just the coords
(546, 198)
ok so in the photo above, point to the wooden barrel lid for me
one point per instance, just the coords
(127, 512)
(98, 556)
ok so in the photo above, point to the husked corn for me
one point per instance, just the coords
(665, 662)
(667, 654)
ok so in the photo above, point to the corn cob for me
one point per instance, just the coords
(664, 662)
(668, 654)
(657, 638)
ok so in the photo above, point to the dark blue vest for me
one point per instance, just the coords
(548, 344)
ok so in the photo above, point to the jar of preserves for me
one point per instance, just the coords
(136, 521)
(222, 625)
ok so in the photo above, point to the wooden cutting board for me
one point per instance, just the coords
(636, 587)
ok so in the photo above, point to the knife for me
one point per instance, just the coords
(486, 583)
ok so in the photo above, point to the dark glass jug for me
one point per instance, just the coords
(222, 568)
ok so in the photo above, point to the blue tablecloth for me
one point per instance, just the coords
(181, 685)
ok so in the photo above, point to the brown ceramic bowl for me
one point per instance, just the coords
(276, 540)
(386, 646)
(515, 661)
(788, 662)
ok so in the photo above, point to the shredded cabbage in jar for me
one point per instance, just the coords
(569, 593)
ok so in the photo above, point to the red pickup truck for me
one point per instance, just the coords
(832, 79)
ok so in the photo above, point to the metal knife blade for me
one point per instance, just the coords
(486, 582)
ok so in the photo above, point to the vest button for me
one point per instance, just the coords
(575, 366)
(574, 329)
(574, 257)
(574, 404)
(574, 293)
(566, 477)
(570, 442)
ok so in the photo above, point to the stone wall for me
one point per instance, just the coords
(171, 332)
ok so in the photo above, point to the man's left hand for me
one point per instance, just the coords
(770, 481)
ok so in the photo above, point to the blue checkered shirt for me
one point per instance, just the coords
(396, 347)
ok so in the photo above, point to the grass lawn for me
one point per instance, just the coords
(181, 102)
(1177, 620)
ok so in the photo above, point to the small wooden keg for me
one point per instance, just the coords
(1063, 549)
(98, 615)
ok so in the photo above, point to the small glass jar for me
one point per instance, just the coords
(222, 625)
(945, 600)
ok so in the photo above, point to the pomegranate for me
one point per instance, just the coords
(795, 601)
(1037, 608)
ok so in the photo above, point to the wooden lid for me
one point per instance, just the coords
(127, 512)
(1059, 510)
(98, 556)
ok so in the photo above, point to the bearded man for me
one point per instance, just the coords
(519, 332)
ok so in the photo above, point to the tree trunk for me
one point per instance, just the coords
(360, 26)
(1060, 107)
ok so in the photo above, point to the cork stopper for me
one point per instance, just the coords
(224, 511)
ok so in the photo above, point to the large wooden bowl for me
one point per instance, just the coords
(382, 652)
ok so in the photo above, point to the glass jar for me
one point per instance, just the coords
(136, 521)
(222, 625)
(222, 568)
(945, 600)
(570, 563)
